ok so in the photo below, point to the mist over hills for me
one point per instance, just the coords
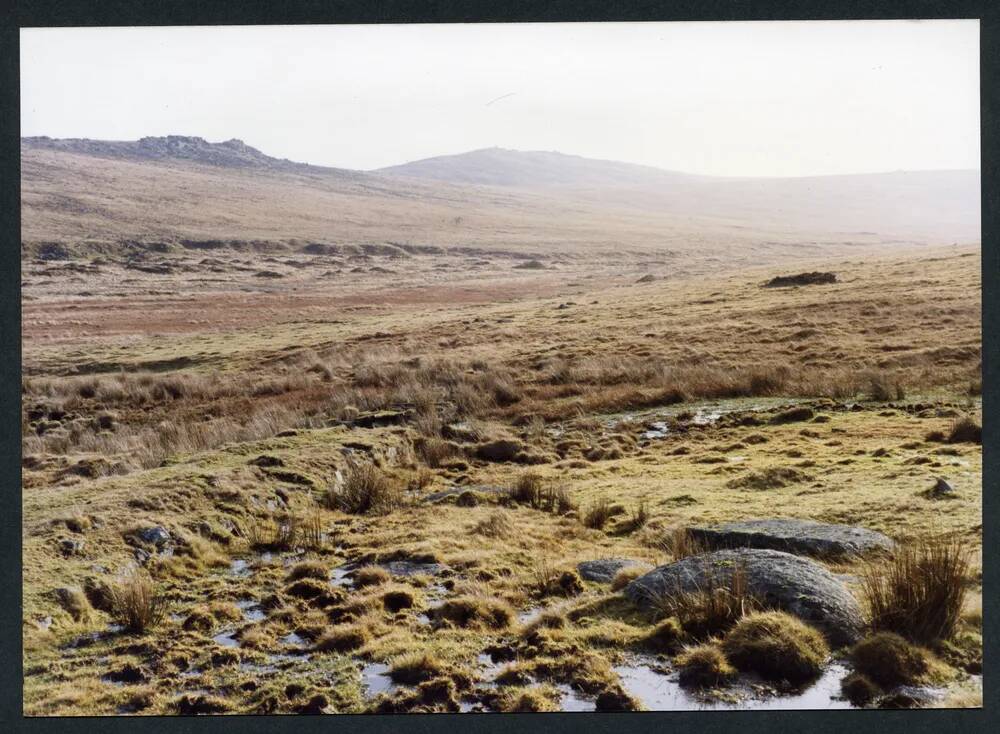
(185, 187)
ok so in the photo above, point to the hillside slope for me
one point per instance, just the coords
(88, 193)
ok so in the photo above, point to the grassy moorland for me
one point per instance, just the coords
(368, 489)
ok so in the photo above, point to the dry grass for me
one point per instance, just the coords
(136, 603)
(715, 607)
(366, 489)
(965, 430)
(497, 524)
(598, 514)
(677, 544)
(920, 592)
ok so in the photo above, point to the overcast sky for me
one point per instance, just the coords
(742, 99)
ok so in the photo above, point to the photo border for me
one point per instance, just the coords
(67, 13)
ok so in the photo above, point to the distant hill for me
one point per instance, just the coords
(502, 167)
(92, 194)
(229, 154)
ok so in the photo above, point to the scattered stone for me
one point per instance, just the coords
(380, 418)
(157, 536)
(455, 492)
(781, 580)
(794, 536)
(71, 546)
(941, 490)
(648, 278)
(603, 570)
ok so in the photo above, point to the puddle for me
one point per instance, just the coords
(375, 679)
(409, 568)
(341, 575)
(252, 611)
(654, 430)
(90, 638)
(525, 616)
(572, 701)
(662, 692)
(293, 639)
(656, 421)
(227, 639)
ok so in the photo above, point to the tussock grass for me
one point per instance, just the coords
(475, 612)
(370, 576)
(776, 646)
(343, 638)
(307, 569)
(703, 666)
(713, 608)
(965, 430)
(889, 660)
(920, 592)
(136, 604)
(497, 524)
(416, 668)
(532, 490)
(598, 514)
(365, 489)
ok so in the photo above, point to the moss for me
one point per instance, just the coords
(704, 666)
(616, 699)
(517, 674)
(859, 689)
(666, 636)
(889, 660)
(395, 601)
(776, 646)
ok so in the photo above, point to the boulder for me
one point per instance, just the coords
(603, 570)
(779, 580)
(795, 536)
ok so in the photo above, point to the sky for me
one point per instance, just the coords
(728, 99)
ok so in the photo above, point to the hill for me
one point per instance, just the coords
(90, 195)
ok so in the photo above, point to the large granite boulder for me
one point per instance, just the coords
(603, 570)
(795, 536)
(779, 580)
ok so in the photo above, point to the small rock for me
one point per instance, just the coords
(71, 546)
(603, 570)
(157, 535)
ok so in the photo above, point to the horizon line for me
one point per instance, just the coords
(382, 169)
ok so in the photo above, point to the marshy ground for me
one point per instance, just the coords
(373, 496)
